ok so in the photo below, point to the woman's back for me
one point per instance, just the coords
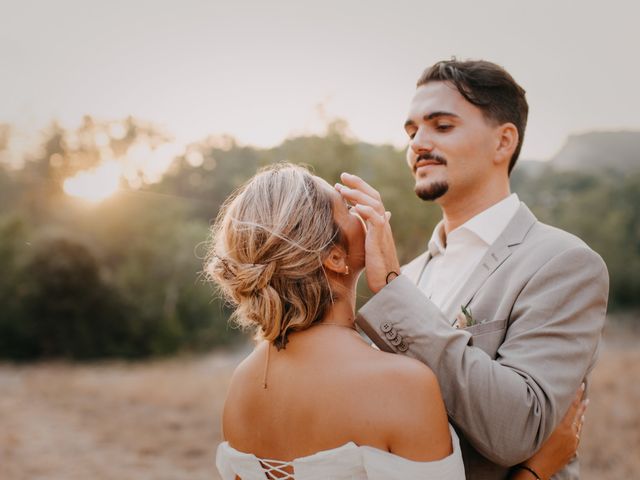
(287, 253)
(329, 388)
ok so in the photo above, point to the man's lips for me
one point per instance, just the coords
(426, 163)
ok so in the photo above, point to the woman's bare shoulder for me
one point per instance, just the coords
(404, 397)
(399, 369)
(389, 381)
(239, 406)
(247, 371)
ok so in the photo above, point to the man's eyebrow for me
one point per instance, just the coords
(431, 116)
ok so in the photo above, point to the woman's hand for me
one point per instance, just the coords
(380, 249)
(560, 447)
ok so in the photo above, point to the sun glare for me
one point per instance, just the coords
(94, 185)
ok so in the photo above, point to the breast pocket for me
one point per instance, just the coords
(488, 336)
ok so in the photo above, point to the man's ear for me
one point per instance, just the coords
(336, 261)
(507, 141)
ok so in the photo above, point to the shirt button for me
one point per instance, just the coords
(402, 347)
(396, 341)
(386, 327)
(392, 334)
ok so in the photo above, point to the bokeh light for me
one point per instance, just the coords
(95, 185)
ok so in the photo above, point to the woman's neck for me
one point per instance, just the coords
(342, 312)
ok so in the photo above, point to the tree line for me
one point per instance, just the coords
(123, 278)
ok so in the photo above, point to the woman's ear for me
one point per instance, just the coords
(336, 261)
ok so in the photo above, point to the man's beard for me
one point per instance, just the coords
(432, 191)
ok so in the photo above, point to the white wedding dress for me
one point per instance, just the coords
(349, 461)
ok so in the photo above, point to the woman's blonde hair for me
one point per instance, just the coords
(268, 244)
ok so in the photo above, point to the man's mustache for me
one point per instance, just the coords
(429, 156)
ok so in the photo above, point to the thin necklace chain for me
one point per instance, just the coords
(350, 327)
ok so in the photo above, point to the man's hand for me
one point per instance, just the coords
(381, 257)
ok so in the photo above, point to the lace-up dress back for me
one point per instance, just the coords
(349, 461)
(277, 469)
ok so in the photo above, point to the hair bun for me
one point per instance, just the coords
(258, 275)
(246, 278)
(266, 253)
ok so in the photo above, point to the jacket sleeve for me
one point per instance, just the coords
(506, 407)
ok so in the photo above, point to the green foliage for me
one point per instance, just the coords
(115, 279)
(603, 209)
(68, 307)
(123, 277)
(12, 237)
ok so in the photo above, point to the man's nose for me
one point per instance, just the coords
(421, 142)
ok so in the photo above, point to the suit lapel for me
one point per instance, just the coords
(498, 252)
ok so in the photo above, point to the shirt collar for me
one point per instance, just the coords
(490, 223)
(487, 225)
(436, 244)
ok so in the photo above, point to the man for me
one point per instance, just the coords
(508, 312)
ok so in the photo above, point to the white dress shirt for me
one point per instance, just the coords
(455, 256)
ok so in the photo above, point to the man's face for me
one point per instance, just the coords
(451, 144)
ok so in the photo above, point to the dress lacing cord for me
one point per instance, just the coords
(272, 467)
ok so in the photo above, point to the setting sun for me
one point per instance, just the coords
(94, 185)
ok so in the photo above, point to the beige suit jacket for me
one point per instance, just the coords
(539, 297)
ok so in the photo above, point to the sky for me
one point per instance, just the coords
(263, 71)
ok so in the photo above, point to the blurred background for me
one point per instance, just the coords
(125, 125)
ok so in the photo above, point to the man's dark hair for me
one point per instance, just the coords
(489, 87)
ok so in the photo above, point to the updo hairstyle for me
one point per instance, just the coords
(268, 244)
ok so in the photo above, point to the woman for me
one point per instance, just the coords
(314, 400)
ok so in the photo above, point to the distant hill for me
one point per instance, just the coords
(600, 150)
(530, 167)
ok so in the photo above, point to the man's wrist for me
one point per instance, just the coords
(381, 276)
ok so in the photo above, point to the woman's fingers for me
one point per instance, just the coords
(571, 417)
(575, 414)
(578, 421)
(581, 408)
(355, 182)
(575, 404)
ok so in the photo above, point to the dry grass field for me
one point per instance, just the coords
(160, 420)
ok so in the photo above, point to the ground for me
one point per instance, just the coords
(161, 419)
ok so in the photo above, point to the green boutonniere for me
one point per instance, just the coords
(464, 318)
(467, 315)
